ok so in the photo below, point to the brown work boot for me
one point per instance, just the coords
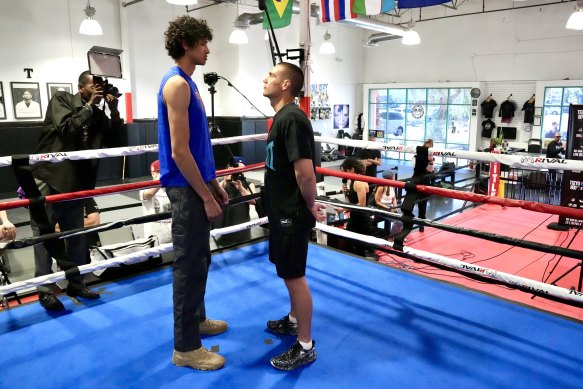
(200, 359)
(212, 327)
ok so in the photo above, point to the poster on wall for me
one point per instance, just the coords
(572, 186)
(341, 116)
(26, 100)
(2, 105)
(53, 87)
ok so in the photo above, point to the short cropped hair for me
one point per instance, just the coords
(295, 75)
(83, 77)
(186, 29)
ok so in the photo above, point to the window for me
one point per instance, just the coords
(556, 111)
(409, 116)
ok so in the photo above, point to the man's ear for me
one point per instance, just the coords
(286, 84)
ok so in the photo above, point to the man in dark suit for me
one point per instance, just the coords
(72, 123)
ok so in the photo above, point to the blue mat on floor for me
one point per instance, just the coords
(375, 327)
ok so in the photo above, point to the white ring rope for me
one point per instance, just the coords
(138, 256)
(519, 161)
(118, 151)
(507, 278)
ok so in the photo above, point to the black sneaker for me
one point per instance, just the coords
(282, 326)
(50, 302)
(294, 357)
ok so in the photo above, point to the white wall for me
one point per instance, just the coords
(522, 44)
(43, 35)
(529, 44)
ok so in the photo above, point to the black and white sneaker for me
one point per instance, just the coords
(294, 357)
(282, 326)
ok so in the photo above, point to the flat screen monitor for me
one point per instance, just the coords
(509, 132)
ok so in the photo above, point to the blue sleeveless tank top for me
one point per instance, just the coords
(200, 140)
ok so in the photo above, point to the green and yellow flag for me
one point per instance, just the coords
(280, 13)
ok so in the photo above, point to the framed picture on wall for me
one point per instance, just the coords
(2, 105)
(26, 100)
(341, 116)
(53, 87)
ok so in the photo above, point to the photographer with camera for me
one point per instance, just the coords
(73, 122)
(236, 185)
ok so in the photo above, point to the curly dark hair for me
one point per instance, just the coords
(187, 29)
(353, 163)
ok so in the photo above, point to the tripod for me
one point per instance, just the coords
(579, 264)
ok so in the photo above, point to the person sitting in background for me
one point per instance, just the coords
(356, 193)
(155, 200)
(555, 147)
(386, 199)
(7, 229)
(236, 185)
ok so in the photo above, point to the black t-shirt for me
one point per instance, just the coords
(371, 170)
(507, 109)
(291, 138)
(528, 109)
(487, 127)
(488, 108)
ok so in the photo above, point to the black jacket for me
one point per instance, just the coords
(69, 126)
(553, 149)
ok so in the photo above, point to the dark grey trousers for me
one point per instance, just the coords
(69, 215)
(190, 236)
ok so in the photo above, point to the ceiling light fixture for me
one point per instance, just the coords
(327, 47)
(411, 37)
(238, 36)
(90, 26)
(575, 21)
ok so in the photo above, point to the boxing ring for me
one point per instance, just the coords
(376, 325)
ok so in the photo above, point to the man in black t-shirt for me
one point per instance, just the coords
(371, 158)
(289, 200)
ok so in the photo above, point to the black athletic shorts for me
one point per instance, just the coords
(288, 250)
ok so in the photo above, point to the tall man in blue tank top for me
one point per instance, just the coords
(187, 171)
(290, 193)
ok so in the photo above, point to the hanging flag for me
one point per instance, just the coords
(336, 10)
(420, 3)
(373, 7)
(280, 13)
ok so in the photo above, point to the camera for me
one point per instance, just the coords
(108, 89)
(238, 177)
(210, 78)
